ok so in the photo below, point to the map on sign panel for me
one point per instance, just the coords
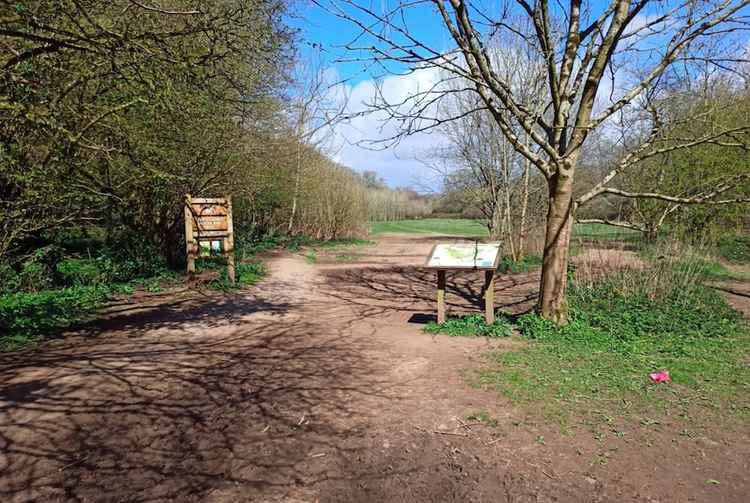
(464, 256)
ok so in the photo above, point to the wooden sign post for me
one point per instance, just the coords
(209, 220)
(464, 256)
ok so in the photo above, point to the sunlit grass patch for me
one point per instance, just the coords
(443, 226)
(617, 336)
(471, 326)
(246, 274)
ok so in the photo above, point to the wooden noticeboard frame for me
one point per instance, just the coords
(488, 290)
(209, 219)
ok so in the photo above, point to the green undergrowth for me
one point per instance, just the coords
(604, 232)
(470, 326)
(527, 264)
(246, 274)
(296, 243)
(67, 280)
(706, 269)
(700, 262)
(617, 335)
(735, 249)
(26, 316)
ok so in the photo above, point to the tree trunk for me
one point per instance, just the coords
(295, 196)
(560, 215)
(524, 208)
(496, 223)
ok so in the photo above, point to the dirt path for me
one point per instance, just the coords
(318, 385)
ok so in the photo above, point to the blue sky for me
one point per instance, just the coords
(407, 163)
(402, 165)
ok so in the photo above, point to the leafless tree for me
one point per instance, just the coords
(318, 104)
(598, 59)
(480, 160)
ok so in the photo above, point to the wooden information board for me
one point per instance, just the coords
(466, 256)
(209, 220)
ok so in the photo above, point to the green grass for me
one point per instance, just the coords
(600, 362)
(27, 316)
(706, 269)
(440, 226)
(477, 228)
(311, 257)
(735, 249)
(470, 326)
(526, 264)
(603, 232)
(246, 274)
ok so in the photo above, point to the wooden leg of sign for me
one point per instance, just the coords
(229, 253)
(229, 241)
(189, 238)
(441, 297)
(489, 296)
(190, 260)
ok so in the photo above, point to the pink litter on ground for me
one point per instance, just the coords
(662, 376)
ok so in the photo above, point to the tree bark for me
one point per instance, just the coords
(560, 215)
(297, 176)
(524, 209)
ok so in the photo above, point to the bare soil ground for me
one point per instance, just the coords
(318, 385)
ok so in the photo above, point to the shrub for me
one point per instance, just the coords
(526, 264)
(128, 256)
(35, 276)
(78, 272)
(28, 315)
(10, 281)
(735, 249)
(249, 273)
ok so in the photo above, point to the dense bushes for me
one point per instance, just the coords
(65, 277)
(25, 316)
(735, 248)
(114, 130)
(65, 260)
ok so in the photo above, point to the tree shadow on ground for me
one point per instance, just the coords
(374, 291)
(176, 404)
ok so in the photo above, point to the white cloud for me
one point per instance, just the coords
(362, 141)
